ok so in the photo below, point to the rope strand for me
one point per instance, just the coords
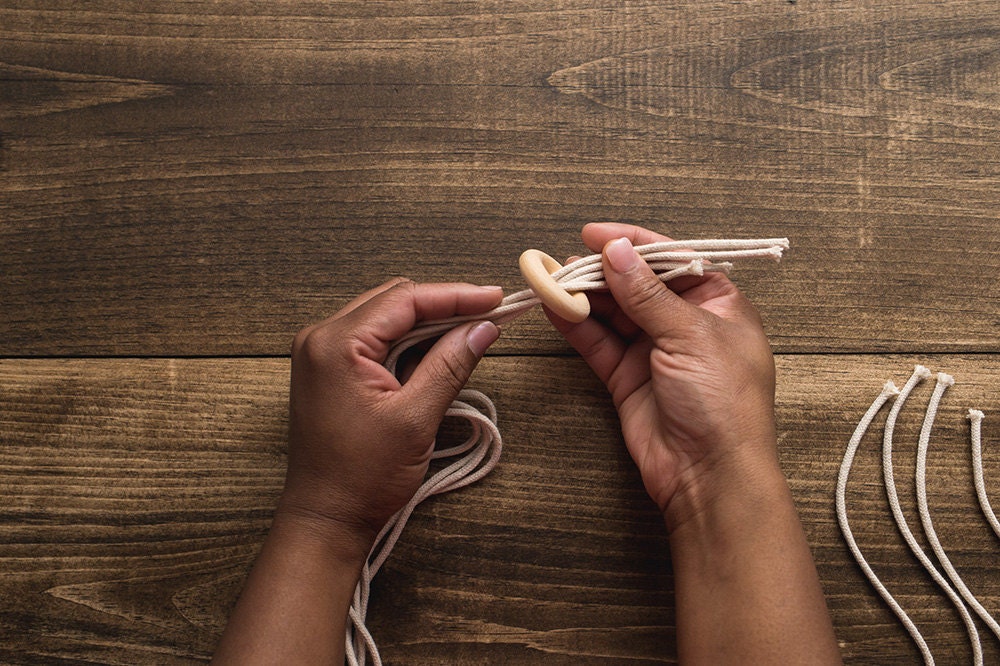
(889, 391)
(944, 381)
(976, 417)
(919, 374)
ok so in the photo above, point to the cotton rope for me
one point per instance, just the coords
(944, 381)
(889, 391)
(976, 418)
(481, 451)
(919, 374)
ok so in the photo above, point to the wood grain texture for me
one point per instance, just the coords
(137, 493)
(206, 178)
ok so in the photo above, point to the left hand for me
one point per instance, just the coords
(360, 440)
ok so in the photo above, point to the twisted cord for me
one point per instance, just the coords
(889, 391)
(976, 417)
(669, 260)
(944, 381)
(481, 451)
(919, 374)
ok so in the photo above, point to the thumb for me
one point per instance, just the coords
(445, 369)
(640, 294)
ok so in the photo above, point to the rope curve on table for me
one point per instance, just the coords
(976, 418)
(919, 374)
(944, 381)
(959, 595)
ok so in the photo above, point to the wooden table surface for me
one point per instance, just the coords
(183, 185)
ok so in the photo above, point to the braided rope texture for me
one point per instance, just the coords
(951, 583)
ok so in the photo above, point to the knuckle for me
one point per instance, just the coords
(750, 311)
(303, 337)
(402, 283)
(649, 293)
(315, 347)
(300, 339)
(451, 375)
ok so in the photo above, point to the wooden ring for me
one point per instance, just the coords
(537, 268)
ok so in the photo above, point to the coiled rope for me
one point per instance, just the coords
(478, 455)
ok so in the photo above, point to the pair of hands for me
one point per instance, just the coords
(688, 367)
(692, 377)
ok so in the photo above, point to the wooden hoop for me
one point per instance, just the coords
(537, 268)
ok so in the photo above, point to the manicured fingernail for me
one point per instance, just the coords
(620, 254)
(481, 336)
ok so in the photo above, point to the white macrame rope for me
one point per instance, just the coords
(889, 391)
(919, 374)
(944, 381)
(670, 260)
(976, 418)
(481, 451)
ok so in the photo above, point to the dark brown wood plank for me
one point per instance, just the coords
(206, 178)
(138, 491)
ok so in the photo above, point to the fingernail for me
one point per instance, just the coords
(491, 287)
(620, 254)
(481, 336)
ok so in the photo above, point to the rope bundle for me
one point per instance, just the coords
(479, 454)
(950, 582)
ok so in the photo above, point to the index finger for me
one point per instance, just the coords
(354, 304)
(389, 315)
(440, 300)
(598, 234)
(361, 299)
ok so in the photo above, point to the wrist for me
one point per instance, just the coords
(346, 540)
(741, 560)
(296, 600)
(738, 483)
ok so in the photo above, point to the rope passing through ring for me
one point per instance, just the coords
(537, 268)
(479, 454)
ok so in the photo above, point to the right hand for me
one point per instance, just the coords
(689, 369)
